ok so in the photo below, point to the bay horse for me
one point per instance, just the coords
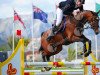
(68, 36)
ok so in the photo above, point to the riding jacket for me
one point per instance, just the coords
(69, 5)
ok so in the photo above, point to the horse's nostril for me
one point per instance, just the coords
(97, 33)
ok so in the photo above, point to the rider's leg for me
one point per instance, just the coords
(59, 16)
(58, 21)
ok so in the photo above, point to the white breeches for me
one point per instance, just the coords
(59, 15)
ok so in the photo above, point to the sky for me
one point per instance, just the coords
(24, 7)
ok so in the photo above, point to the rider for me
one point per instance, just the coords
(64, 7)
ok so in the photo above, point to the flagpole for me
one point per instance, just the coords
(13, 37)
(13, 33)
(76, 49)
(54, 59)
(52, 26)
(96, 46)
(67, 50)
(96, 40)
(32, 31)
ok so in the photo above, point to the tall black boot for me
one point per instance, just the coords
(53, 33)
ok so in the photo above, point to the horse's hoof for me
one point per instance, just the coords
(89, 52)
(81, 53)
(43, 70)
(86, 54)
(48, 68)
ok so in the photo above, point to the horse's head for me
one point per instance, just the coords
(93, 20)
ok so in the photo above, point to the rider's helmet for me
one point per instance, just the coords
(58, 1)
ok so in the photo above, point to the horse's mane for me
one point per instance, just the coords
(94, 13)
(79, 17)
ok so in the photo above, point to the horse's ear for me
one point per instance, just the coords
(98, 12)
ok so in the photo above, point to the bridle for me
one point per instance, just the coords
(93, 21)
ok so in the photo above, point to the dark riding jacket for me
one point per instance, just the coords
(69, 5)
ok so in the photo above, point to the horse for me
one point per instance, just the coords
(68, 35)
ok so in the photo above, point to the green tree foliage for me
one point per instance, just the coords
(10, 42)
(71, 54)
(26, 42)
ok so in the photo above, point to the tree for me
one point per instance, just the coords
(71, 54)
(10, 42)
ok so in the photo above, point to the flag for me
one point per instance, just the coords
(17, 18)
(97, 6)
(39, 14)
(18, 32)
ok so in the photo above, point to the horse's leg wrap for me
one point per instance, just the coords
(84, 48)
(89, 49)
(84, 40)
(48, 60)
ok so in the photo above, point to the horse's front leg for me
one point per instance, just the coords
(84, 40)
(44, 60)
(48, 60)
(84, 47)
(89, 49)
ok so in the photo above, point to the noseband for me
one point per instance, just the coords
(93, 21)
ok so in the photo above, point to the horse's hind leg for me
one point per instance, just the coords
(84, 40)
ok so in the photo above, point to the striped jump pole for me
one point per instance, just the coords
(53, 73)
(59, 64)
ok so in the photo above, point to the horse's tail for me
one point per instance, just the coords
(41, 48)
